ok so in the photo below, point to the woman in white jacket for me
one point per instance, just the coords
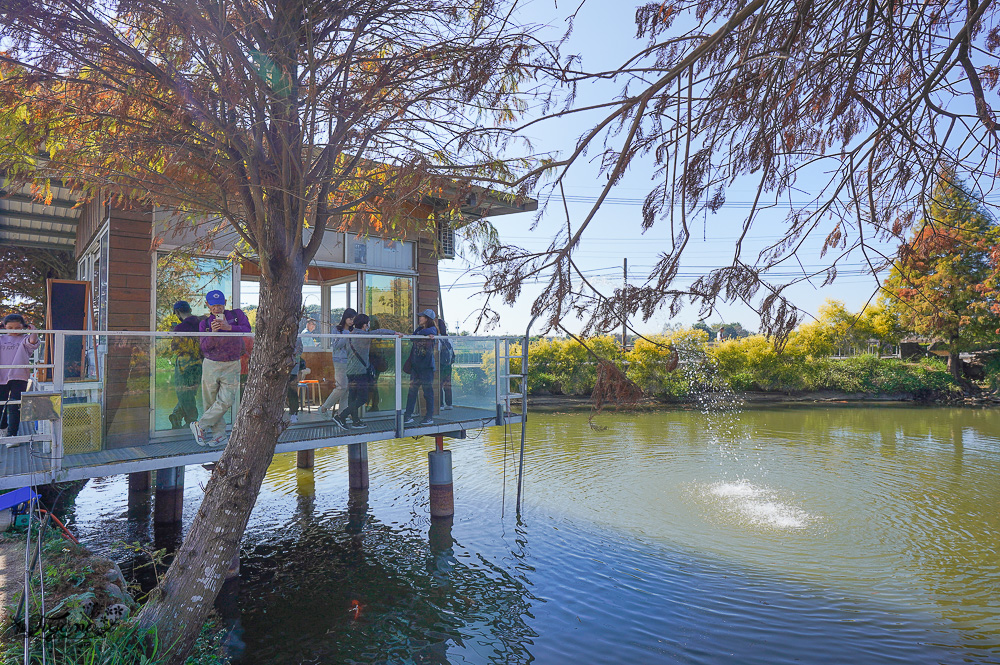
(339, 351)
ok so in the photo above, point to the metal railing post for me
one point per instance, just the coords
(496, 376)
(398, 348)
(524, 411)
(59, 362)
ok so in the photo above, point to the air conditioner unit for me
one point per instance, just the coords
(446, 239)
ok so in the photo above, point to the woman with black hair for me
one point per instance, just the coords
(15, 349)
(446, 352)
(339, 352)
(360, 372)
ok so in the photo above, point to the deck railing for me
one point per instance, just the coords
(111, 395)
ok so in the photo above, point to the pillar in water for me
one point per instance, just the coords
(442, 489)
(168, 505)
(357, 465)
(305, 459)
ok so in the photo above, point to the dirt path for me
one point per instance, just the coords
(11, 571)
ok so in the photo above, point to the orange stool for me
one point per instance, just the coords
(310, 395)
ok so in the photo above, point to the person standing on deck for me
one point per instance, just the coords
(338, 349)
(220, 376)
(360, 372)
(446, 353)
(15, 349)
(421, 369)
(187, 366)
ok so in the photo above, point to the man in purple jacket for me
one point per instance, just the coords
(220, 373)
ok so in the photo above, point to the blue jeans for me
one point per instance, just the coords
(422, 378)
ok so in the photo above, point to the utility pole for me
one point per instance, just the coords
(624, 309)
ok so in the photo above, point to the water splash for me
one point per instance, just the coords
(758, 506)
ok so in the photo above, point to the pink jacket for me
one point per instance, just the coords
(16, 350)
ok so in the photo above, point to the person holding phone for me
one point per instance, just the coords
(220, 372)
(15, 349)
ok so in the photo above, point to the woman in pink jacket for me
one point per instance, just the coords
(15, 349)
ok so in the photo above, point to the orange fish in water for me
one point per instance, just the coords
(355, 609)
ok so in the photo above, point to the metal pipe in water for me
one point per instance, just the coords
(524, 410)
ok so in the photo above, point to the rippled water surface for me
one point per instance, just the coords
(787, 535)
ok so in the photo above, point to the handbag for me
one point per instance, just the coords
(408, 363)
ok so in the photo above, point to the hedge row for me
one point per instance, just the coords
(563, 366)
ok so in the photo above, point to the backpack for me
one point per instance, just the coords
(447, 352)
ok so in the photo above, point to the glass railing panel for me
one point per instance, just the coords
(472, 373)
(177, 374)
(418, 372)
(81, 373)
(127, 370)
(382, 396)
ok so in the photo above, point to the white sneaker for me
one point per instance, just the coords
(410, 421)
(427, 421)
(199, 434)
(294, 418)
(219, 440)
(447, 407)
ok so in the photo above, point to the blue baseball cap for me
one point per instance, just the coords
(215, 298)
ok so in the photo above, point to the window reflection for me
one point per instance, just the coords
(389, 299)
(184, 277)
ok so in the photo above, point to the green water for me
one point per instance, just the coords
(716, 535)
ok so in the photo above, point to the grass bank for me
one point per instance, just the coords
(87, 607)
(749, 366)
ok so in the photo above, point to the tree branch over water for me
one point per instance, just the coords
(862, 103)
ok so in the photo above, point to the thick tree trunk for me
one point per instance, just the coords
(183, 600)
(954, 363)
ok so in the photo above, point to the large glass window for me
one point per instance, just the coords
(182, 277)
(389, 301)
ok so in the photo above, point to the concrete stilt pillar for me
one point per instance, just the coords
(139, 482)
(442, 489)
(138, 495)
(305, 459)
(169, 504)
(357, 465)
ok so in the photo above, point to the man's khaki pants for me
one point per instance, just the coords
(220, 387)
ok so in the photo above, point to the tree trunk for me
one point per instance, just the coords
(954, 363)
(181, 603)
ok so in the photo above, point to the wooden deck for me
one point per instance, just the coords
(20, 467)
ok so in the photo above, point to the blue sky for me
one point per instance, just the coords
(604, 35)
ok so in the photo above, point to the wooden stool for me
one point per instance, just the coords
(310, 395)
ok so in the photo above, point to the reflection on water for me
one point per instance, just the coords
(756, 505)
(819, 535)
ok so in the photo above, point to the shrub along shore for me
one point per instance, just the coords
(748, 367)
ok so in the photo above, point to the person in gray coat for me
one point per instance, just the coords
(360, 373)
(338, 348)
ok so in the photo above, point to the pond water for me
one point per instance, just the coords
(775, 535)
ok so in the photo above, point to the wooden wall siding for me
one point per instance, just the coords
(428, 285)
(127, 373)
(91, 218)
(131, 270)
